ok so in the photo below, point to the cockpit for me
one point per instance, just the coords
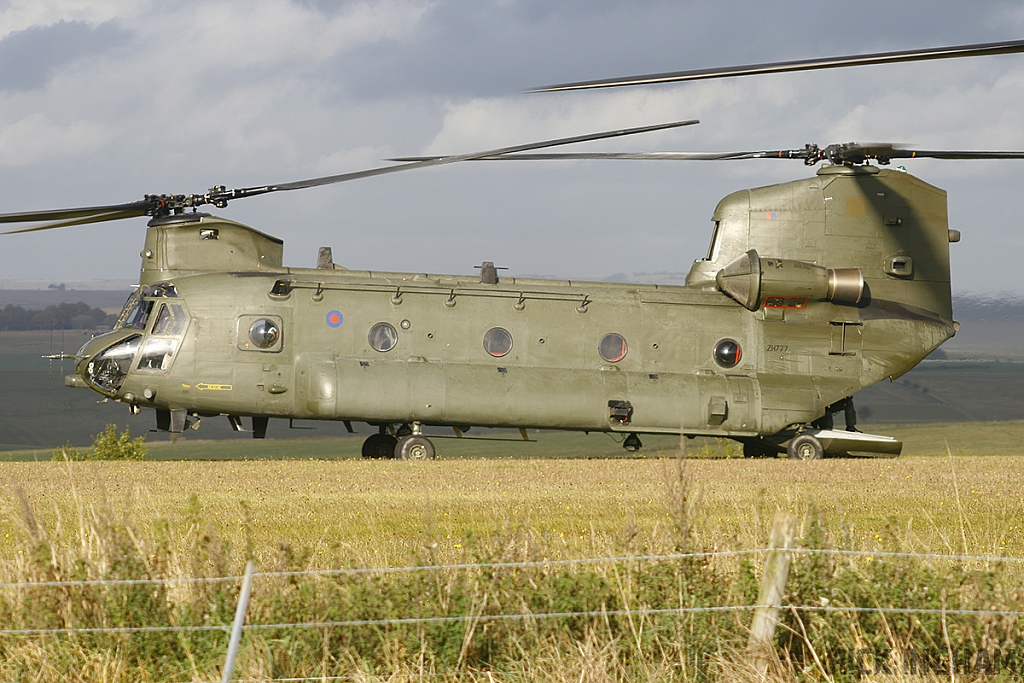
(137, 309)
(155, 308)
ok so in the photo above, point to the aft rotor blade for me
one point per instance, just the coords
(810, 154)
(437, 161)
(671, 156)
(85, 220)
(933, 154)
(975, 50)
(868, 152)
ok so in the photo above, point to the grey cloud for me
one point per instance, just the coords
(29, 58)
(471, 48)
(291, 116)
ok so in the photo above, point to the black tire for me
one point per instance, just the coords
(414, 448)
(379, 446)
(756, 450)
(805, 447)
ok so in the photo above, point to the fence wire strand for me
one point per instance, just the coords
(508, 565)
(386, 570)
(509, 617)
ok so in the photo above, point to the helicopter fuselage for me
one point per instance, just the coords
(763, 338)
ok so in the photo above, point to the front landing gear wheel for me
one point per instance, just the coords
(805, 447)
(378, 446)
(756, 450)
(632, 443)
(415, 447)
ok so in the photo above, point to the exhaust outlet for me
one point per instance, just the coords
(845, 285)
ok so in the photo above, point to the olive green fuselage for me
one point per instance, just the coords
(797, 355)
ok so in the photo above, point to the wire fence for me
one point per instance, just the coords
(638, 612)
(511, 565)
(510, 617)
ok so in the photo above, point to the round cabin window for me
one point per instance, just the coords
(728, 353)
(612, 347)
(264, 333)
(383, 337)
(497, 342)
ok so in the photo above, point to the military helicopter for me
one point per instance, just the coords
(810, 291)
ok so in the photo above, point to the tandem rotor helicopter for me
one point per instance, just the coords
(810, 291)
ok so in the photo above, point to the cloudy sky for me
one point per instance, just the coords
(105, 101)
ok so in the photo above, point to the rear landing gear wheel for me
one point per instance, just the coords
(415, 447)
(805, 447)
(378, 446)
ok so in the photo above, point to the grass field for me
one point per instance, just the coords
(205, 518)
(380, 513)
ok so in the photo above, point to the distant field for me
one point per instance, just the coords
(948, 391)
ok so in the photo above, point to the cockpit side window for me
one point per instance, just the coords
(164, 339)
(713, 247)
(170, 320)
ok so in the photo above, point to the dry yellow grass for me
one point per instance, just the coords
(384, 513)
(344, 513)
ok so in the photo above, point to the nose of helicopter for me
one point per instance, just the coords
(75, 381)
(102, 362)
(85, 354)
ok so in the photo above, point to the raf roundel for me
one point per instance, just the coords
(335, 319)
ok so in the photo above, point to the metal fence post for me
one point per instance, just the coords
(236, 628)
(773, 585)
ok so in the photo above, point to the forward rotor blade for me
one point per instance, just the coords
(437, 161)
(975, 50)
(96, 218)
(62, 214)
(159, 205)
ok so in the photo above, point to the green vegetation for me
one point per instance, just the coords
(64, 316)
(89, 520)
(107, 445)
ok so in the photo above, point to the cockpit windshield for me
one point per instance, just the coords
(135, 313)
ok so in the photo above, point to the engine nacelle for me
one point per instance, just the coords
(750, 280)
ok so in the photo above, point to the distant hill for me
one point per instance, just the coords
(110, 301)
